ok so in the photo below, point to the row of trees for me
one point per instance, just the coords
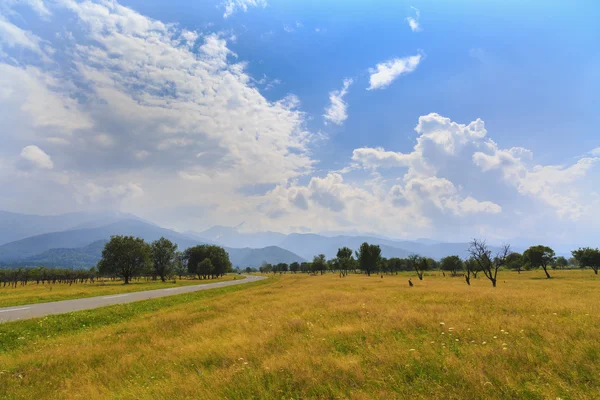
(481, 260)
(127, 258)
(21, 276)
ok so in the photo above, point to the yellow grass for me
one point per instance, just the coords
(300, 336)
(42, 293)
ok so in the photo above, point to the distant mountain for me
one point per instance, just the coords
(70, 239)
(83, 257)
(14, 226)
(307, 245)
(83, 247)
(248, 257)
(232, 237)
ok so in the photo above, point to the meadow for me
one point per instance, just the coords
(298, 336)
(42, 293)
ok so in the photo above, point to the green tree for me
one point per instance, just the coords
(587, 257)
(125, 257)
(164, 258)
(419, 264)
(180, 264)
(345, 260)
(319, 264)
(451, 264)
(368, 256)
(539, 256)
(282, 268)
(560, 262)
(219, 261)
(515, 262)
(295, 267)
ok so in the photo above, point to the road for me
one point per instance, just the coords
(60, 307)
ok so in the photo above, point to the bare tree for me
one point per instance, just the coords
(481, 253)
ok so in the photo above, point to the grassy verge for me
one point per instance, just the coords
(34, 293)
(322, 337)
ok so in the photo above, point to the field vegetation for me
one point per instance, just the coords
(323, 336)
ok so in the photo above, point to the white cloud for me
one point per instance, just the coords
(548, 183)
(233, 6)
(413, 22)
(336, 112)
(154, 119)
(138, 84)
(385, 73)
(34, 157)
(595, 152)
(14, 36)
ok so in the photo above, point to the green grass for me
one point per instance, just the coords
(299, 336)
(33, 293)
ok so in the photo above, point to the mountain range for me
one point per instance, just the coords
(76, 240)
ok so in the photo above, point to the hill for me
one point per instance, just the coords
(248, 257)
(15, 226)
(83, 257)
(83, 247)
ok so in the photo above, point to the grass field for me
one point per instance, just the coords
(33, 293)
(298, 336)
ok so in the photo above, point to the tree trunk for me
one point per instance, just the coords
(493, 282)
(546, 271)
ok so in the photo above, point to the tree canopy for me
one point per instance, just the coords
(219, 261)
(126, 257)
(368, 257)
(588, 257)
(539, 256)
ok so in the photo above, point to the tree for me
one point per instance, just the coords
(205, 268)
(319, 264)
(295, 267)
(282, 267)
(180, 264)
(588, 257)
(419, 264)
(560, 262)
(452, 264)
(368, 257)
(125, 256)
(219, 261)
(482, 255)
(163, 258)
(539, 256)
(345, 260)
(514, 261)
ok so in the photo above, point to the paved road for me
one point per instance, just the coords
(65, 306)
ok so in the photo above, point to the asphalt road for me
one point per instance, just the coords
(65, 306)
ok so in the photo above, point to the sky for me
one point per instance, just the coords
(438, 119)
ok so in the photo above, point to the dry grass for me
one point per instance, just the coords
(42, 293)
(326, 337)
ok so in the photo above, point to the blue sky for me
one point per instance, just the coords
(190, 117)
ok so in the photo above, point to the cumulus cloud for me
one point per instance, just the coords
(139, 93)
(336, 112)
(413, 22)
(233, 6)
(385, 73)
(153, 119)
(34, 157)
